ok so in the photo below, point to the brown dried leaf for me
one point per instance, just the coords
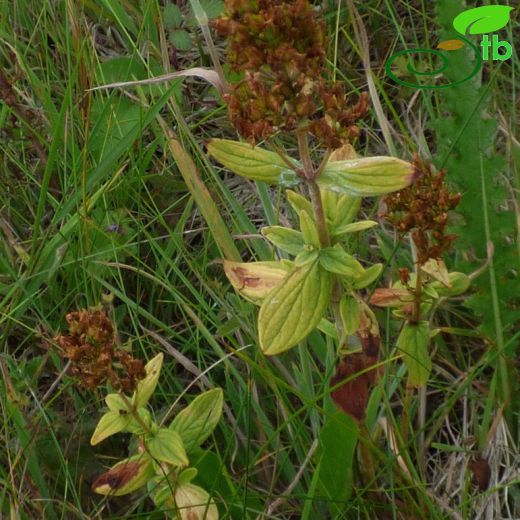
(352, 396)
(125, 477)
(390, 297)
(481, 473)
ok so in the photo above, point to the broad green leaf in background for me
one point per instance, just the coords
(126, 476)
(166, 446)
(288, 240)
(253, 163)
(255, 280)
(109, 424)
(196, 422)
(480, 20)
(370, 176)
(294, 308)
(146, 386)
(172, 16)
(181, 40)
(336, 456)
(413, 341)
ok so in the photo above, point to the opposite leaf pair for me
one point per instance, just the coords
(162, 458)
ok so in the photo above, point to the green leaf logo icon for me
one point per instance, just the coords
(480, 20)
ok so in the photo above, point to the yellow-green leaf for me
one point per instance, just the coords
(194, 503)
(294, 308)
(111, 423)
(340, 208)
(115, 403)
(436, 268)
(253, 163)
(309, 230)
(255, 280)
(413, 342)
(166, 446)
(459, 283)
(146, 386)
(288, 240)
(198, 420)
(354, 227)
(369, 276)
(370, 176)
(298, 202)
(350, 314)
(337, 260)
(126, 476)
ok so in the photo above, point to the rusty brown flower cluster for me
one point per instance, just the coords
(422, 210)
(279, 46)
(95, 358)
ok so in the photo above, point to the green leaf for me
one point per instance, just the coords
(255, 280)
(339, 208)
(337, 260)
(336, 455)
(181, 40)
(115, 403)
(459, 284)
(370, 176)
(354, 227)
(294, 308)
(288, 240)
(253, 163)
(141, 426)
(298, 202)
(146, 386)
(309, 254)
(350, 314)
(187, 475)
(198, 420)
(172, 16)
(166, 446)
(480, 20)
(109, 424)
(213, 8)
(126, 476)
(309, 230)
(368, 277)
(413, 341)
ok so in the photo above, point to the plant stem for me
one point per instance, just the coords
(319, 213)
(416, 316)
(314, 190)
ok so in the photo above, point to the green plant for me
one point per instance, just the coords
(289, 93)
(161, 454)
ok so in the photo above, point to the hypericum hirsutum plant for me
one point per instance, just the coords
(284, 96)
(159, 459)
